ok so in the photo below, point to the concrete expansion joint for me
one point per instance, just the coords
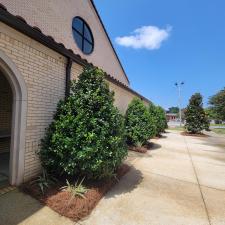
(184, 181)
(200, 189)
(6, 190)
(172, 178)
(217, 189)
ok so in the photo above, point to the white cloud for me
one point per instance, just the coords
(148, 37)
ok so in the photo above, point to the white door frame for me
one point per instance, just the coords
(18, 127)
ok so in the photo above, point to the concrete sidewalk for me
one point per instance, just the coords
(17, 208)
(180, 182)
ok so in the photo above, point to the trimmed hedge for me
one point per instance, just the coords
(139, 123)
(162, 119)
(87, 136)
(159, 118)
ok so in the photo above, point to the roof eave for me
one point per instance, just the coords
(20, 24)
(93, 4)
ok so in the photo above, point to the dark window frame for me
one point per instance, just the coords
(82, 35)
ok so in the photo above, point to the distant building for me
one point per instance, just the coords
(171, 116)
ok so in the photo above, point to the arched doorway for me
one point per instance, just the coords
(14, 127)
(6, 100)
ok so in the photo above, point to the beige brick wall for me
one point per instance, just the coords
(44, 73)
(54, 18)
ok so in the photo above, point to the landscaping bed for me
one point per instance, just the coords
(142, 149)
(138, 149)
(76, 207)
(88, 134)
(193, 135)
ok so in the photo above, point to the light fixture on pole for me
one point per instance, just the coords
(178, 85)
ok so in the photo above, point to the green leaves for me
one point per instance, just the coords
(44, 181)
(195, 117)
(87, 135)
(217, 103)
(143, 123)
(138, 122)
(78, 189)
(158, 118)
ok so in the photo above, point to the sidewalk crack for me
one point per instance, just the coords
(200, 189)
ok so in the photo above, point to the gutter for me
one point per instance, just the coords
(68, 77)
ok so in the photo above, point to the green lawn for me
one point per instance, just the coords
(216, 130)
(219, 130)
(217, 125)
(176, 128)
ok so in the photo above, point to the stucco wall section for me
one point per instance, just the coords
(54, 18)
(121, 97)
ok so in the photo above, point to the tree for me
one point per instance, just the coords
(87, 136)
(162, 119)
(217, 103)
(173, 110)
(155, 118)
(159, 118)
(139, 124)
(210, 113)
(196, 119)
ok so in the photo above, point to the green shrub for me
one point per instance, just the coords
(44, 181)
(195, 117)
(159, 118)
(217, 103)
(139, 124)
(76, 190)
(87, 136)
(162, 119)
(155, 117)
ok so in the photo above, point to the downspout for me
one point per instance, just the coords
(68, 76)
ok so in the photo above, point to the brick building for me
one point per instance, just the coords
(43, 45)
(172, 116)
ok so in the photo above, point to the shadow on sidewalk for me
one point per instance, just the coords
(151, 146)
(127, 184)
(15, 207)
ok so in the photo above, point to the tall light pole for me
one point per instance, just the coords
(178, 85)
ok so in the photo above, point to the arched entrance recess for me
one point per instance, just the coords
(19, 110)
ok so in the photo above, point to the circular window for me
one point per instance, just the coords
(82, 35)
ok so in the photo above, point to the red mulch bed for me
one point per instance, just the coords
(138, 149)
(157, 137)
(184, 133)
(142, 149)
(75, 208)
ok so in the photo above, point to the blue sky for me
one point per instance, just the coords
(162, 42)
